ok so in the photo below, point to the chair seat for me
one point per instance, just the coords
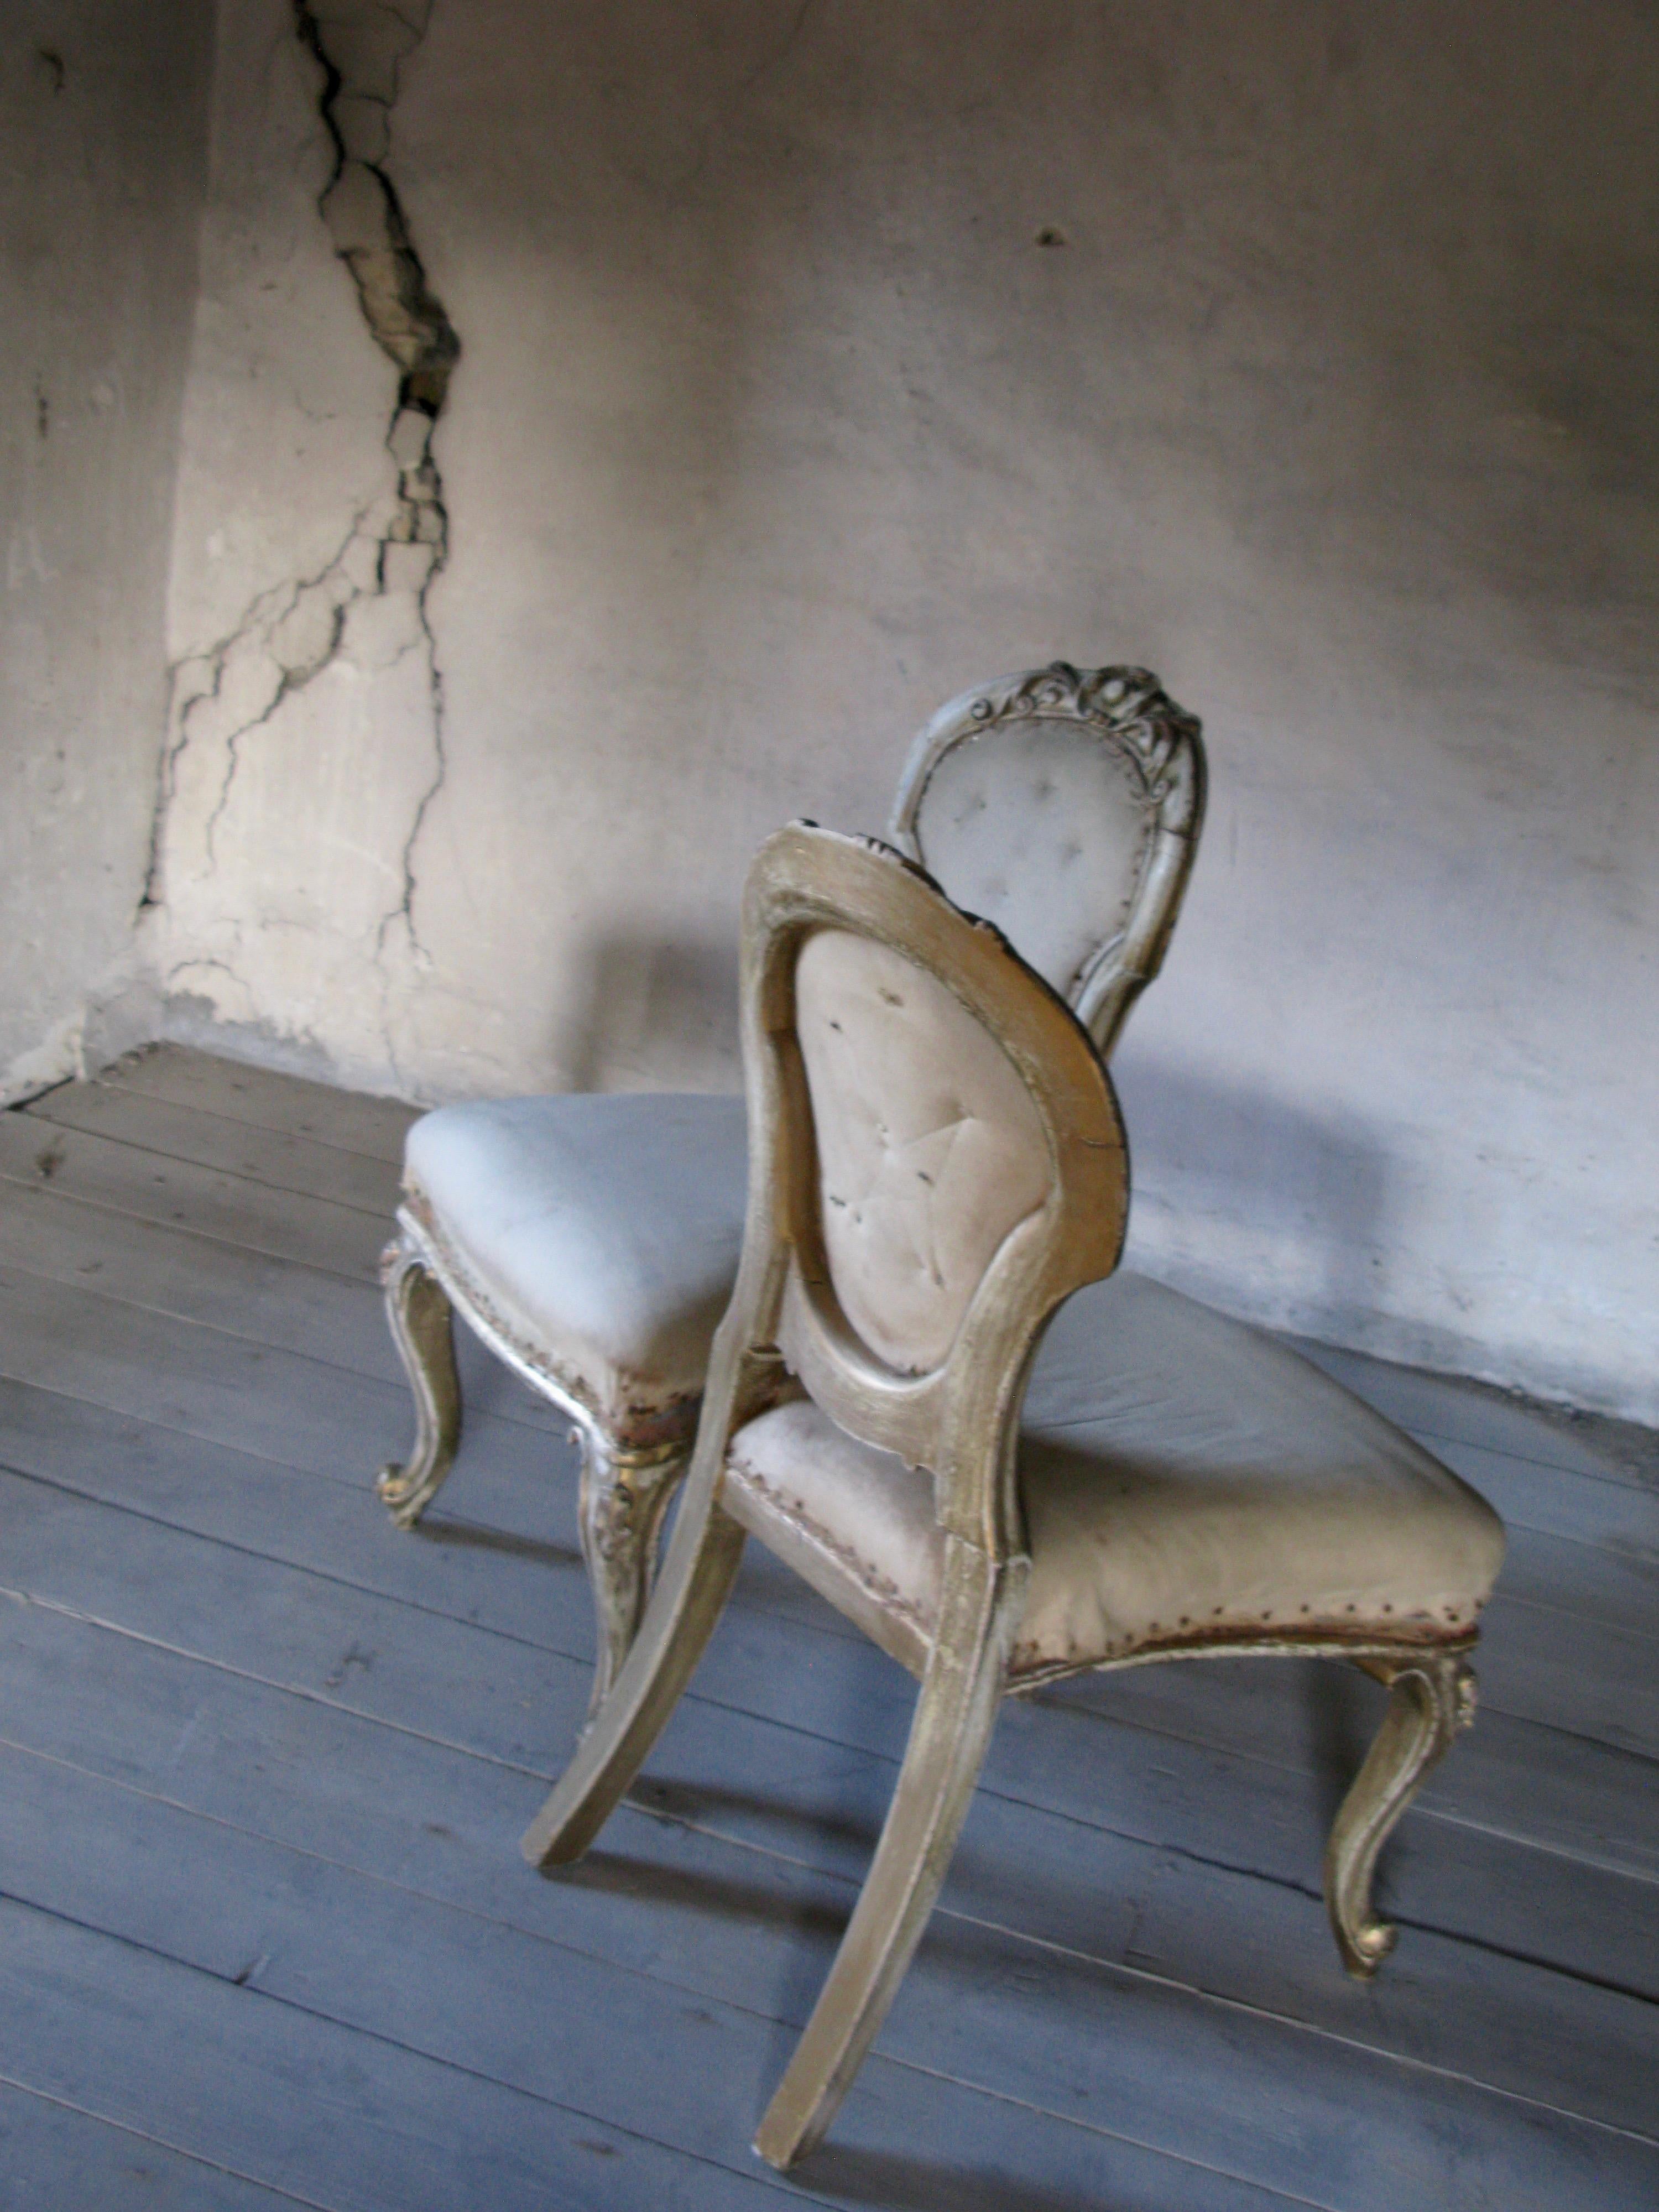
(1186, 1480)
(599, 1233)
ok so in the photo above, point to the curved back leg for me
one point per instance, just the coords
(955, 1712)
(1431, 1696)
(421, 1323)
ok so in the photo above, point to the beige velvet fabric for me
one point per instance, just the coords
(1045, 832)
(1183, 1478)
(601, 1233)
(814, 1494)
(930, 1149)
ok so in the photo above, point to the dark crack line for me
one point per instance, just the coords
(426, 364)
(408, 322)
(217, 658)
(291, 680)
(776, 60)
(370, 233)
(405, 910)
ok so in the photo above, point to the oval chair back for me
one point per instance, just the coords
(937, 1161)
(1065, 805)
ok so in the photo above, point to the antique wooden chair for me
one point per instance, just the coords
(592, 1241)
(936, 1164)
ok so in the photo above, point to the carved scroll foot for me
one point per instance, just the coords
(624, 1495)
(1430, 1698)
(421, 1328)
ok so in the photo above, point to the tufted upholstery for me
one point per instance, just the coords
(929, 1148)
(1182, 1477)
(600, 1233)
(1043, 832)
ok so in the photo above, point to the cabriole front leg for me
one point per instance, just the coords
(684, 1610)
(1430, 1698)
(423, 1329)
(624, 1495)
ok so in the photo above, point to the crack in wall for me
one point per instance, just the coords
(360, 50)
(398, 547)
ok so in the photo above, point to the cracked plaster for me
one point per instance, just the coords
(305, 744)
(820, 361)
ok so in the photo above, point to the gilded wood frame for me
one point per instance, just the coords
(627, 1479)
(630, 1473)
(785, 1331)
(1127, 711)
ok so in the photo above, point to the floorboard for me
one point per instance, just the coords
(163, 1268)
(1579, 1671)
(288, 1105)
(510, 1699)
(268, 1758)
(276, 2091)
(563, 2019)
(523, 1580)
(58, 2155)
(441, 1822)
(275, 1160)
(232, 1389)
(315, 1232)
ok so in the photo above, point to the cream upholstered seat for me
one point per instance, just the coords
(608, 1227)
(938, 1172)
(593, 1241)
(1186, 1480)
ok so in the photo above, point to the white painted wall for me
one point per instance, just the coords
(774, 425)
(103, 145)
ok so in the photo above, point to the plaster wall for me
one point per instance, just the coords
(103, 146)
(817, 359)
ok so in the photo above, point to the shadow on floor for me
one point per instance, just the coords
(471, 1536)
(923, 2184)
(615, 1874)
(700, 1805)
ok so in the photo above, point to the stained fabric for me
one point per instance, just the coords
(930, 1149)
(603, 1229)
(1183, 1476)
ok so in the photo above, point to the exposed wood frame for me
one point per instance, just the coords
(785, 1330)
(1126, 711)
(628, 1476)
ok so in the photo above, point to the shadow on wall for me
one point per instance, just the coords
(1293, 1203)
(660, 1013)
(1232, 1185)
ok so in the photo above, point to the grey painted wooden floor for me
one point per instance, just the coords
(267, 1938)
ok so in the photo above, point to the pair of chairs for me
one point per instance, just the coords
(592, 1242)
(937, 1171)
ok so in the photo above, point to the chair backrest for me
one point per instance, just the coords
(937, 1161)
(1063, 805)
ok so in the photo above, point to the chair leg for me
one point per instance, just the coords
(1430, 1698)
(423, 1329)
(955, 1714)
(685, 1606)
(624, 1495)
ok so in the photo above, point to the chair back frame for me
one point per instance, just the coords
(961, 1420)
(1160, 746)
